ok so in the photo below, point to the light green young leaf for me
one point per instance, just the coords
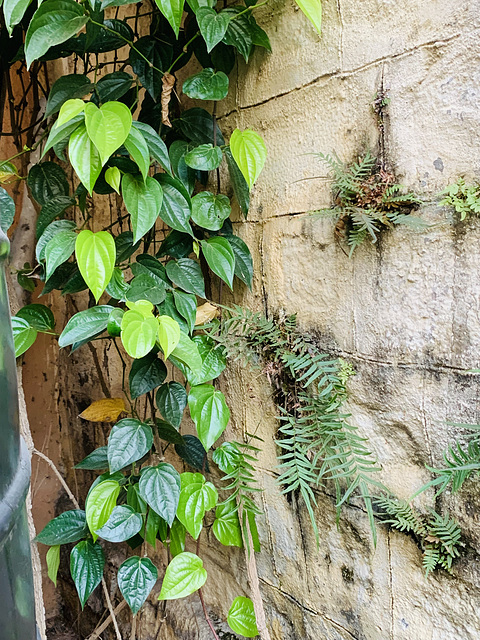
(206, 85)
(136, 578)
(86, 566)
(160, 488)
(173, 12)
(213, 361)
(206, 157)
(220, 258)
(73, 85)
(61, 135)
(107, 126)
(226, 526)
(209, 412)
(249, 152)
(212, 25)
(100, 503)
(313, 10)
(53, 562)
(137, 147)
(113, 177)
(143, 201)
(95, 253)
(168, 334)
(210, 211)
(195, 500)
(139, 333)
(184, 575)
(128, 442)
(23, 335)
(84, 157)
(241, 617)
(58, 250)
(69, 110)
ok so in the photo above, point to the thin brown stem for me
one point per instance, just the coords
(207, 617)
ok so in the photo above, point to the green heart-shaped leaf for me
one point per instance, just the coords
(107, 126)
(206, 85)
(95, 253)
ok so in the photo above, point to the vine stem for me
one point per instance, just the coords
(207, 617)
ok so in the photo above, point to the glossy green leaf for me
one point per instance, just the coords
(69, 526)
(213, 361)
(156, 145)
(171, 400)
(53, 562)
(128, 442)
(70, 109)
(85, 324)
(123, 524)
(7, 210)
(95, 253)
(209, 412)
(152, 525)
(143, 201)
(249, 152)
(240, 32)
(146, 374)
(187, 274)
(53, 208)
(168, 334)
(186, 304)
(84, 157)
(206, 85)
(108, 126)
(114, 326)
(186, 352)
(53, 22)
(139, 333)
(176, 205)
(212, 25)
(50, 232)
(86, 566)
(160, 487)
(152, 267)
(313, 10)
(184, 575)
(241, 617)
(167, 432)
(195, 5)
(206, 157)
(226, 526)
(13, 11)
(137, 147)
(197, 125)
(196, 499)
(210, 211)
(136, 578)
(177, 538)
(135, 501)
(117, 287)
(243, 260)
(46, 181)
(60, 136)
(227, 456)
(100, 503)
(220, 258)
(38, 316)
(149, 51)
(239, 184)
(168, 308)
(96, 460)
(193, 452)
(113, 177)
(173, 12)
(113, 86)
(145, 287)
(58, 250)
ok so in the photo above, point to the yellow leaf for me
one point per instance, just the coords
(205, 313)
(105, 410)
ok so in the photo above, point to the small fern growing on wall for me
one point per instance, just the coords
(463, 197)
(366, 199)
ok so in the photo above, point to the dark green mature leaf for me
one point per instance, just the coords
(122, 524)
(38, 316)
(146, 374)
(113, 37)
(239, 184)
(23, 335)
(160, 56)
(13, 11)
(69, 526)
(96, 460)
(58, 250)
(212, 25)
(226, 527)
(7, 210)
(55, 207)
(152, 525)
(66, 88)
(113, 86)
(143, 201)
(145, 287)
(135, 501)
(186, 352)
(125, 246)
(168, 308)
(220, 258)
(85, 324)
(197, 125)
(156, 145)
(241, 617)
(59, 136)
(186, 304)
(47, 180)
(213, 361)
(137, 147)
(53, 22)
(117, 287)
(173, 12)
(53, 229)
(152, 267)
(176, 205)
(160, 487)
(187, 274)
(206, 157)
(114, 3)
(243, 260)
(86, 566)
(184, 575)
(171, 400)
(187, 176)
(206, 85)
(176, 245)
(210, 211)
(193, 452)
(167, 432)
(240, 31)
(136, 578)
(210, 413)
(128, 442)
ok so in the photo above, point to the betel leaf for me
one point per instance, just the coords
(249, 152)
(168, 334)
(239, 184)
(123, 524)
(176, 205)
(185, 174)
(168, 308)
(55, 207)
(69, 110)
(177, 538)
(171, 400)
(13, 11)
(46, 181)
(38, 316)
(220, 258)
(146, 374)
(53, 562)
(186, 352)
(95, 253)
(241, 617)
(186, 304)
(206, 85)
(196, 498)
(86, 566)
(125, 246)
(114, 326)
(146, 59)
(168, 432)
(96, 460)
(152, 267)
(107, 126)
(136, 578)
(137, 147)
(240, 31)
(197, 125)
(212, 25)
(113, 86)
(100, 502)
(84, 157)
(128, 442)
(210, 211)
(157, 147)
(206, 157)
(313, 10)
(135, 501)
(213, 361)
(85, 324)
(143, 201)
(152, 525)
(209, 412)
(173, 12)
(226, 526)
(70, 526)
(59, 136)
(243, 260)
(7, 210)
(50, 232)
(160, 488)
(184, 575)
(145, 287)
(53, 22)
(23, 335)
(193, 452)
(139, 333)
(113, 177)
(58, 250)
(187, 274)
